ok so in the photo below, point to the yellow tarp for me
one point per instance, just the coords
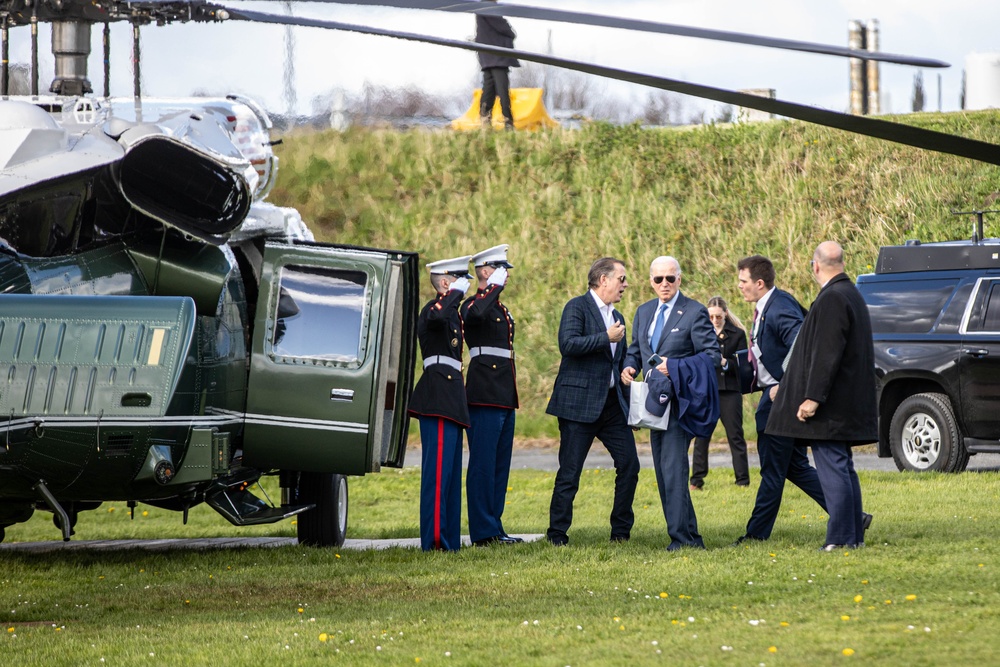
(525, 104)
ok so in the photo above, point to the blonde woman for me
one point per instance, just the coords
(732, 337)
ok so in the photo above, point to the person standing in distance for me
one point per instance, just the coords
(495, 31)
(777, 317)
(732, 338)
(439, 403)
(828, 397)
(673, 327)
(491, 387)
(590, 402)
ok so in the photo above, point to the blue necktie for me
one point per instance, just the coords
(661, 319)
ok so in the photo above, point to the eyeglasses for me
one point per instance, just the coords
(621, 279)
(660, 279)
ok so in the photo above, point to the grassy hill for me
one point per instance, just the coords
(707, 195)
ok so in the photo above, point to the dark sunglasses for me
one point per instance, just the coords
(660, 279)
(622, 279)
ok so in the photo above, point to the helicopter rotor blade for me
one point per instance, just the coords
(583, 18)
(871, 127)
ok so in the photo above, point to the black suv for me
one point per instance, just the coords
(935, 310)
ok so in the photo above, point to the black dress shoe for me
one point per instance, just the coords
(557, 540)
(513, 538)
(746, 538)
(487, 541)
(866, 520)
(619, 538)
(507, 539)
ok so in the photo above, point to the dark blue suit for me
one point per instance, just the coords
(686, 332)
(589, 407)
(780, 459)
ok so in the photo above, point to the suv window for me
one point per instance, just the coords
(985, 316)
(913, 309)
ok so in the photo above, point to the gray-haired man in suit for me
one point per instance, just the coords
(589, 400)
(672, 326)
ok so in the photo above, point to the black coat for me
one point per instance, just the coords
(832, 363)
(490, 381)
(495, 31)
(731, 340)
(440, 391)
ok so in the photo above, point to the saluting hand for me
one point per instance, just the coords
(616, 332)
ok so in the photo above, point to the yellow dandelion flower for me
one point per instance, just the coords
(848, 651)
(301, 610)
(981, 565)
(664, 595)
(145, 512)
(911, 597)
(772, 649)
(784, 624)
(111, 509)
(416, 660)
(845, 617)
(621, 627)
(295, 522)
(858, 598)
(323, 636)
(187, 601)
(617, 619)
(864, 582)
(510, 488)
(10, 629)
(58, 629)
(771, 555)
(888, 601)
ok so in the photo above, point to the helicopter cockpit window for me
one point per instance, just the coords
(320, 314)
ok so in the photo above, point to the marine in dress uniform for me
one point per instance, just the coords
(491, 387)
(439, 402)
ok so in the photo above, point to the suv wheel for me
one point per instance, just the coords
(924, 435)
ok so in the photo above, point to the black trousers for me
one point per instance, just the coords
(575, 439)
(496, 83)
(731, 413)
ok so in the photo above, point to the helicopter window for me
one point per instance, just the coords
(320, 314)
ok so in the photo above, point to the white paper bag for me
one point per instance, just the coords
(638, 415)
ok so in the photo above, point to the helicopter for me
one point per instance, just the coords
(169, 336)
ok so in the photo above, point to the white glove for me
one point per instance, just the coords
(461, 284)
(498, 277)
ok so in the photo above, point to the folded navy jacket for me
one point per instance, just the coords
(692, 388)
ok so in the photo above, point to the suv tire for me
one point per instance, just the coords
(924, 435)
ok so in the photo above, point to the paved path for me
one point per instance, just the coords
(206, 543)
(547, 458)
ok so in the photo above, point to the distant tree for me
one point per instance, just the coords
(918, 92)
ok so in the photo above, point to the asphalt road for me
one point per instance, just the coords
(547, 458)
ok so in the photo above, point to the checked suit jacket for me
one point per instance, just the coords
(581, 386)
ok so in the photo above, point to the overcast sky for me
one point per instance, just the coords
(250, 59)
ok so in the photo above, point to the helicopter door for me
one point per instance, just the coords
(332, 363)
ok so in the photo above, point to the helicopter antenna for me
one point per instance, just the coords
(107, 59)
(977, 228)
(290, 96)
(34, 50)
(5, 55)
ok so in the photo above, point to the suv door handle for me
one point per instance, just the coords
(977, 353)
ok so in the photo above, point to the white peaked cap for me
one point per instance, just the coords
(495, 256)
(457, 266)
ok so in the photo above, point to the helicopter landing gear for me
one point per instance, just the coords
(326, 524)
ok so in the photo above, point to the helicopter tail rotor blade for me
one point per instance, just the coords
(872, 127)
(583, 18)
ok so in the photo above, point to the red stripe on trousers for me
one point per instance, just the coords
(437, 486)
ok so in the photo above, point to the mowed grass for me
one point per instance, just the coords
(923, 592)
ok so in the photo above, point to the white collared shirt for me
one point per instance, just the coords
(607, 313)
(764, 378)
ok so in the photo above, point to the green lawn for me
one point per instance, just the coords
(924, 591)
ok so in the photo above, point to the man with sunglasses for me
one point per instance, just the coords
(590, 401)
(671, 326)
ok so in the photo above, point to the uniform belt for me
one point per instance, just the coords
(491, 351)
(441, 359)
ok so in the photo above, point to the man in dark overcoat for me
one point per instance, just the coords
(590, 401)
(827, 398)
(495, 31)
(491, 385)
(439, 403)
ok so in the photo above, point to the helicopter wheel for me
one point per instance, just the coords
(326, 524)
